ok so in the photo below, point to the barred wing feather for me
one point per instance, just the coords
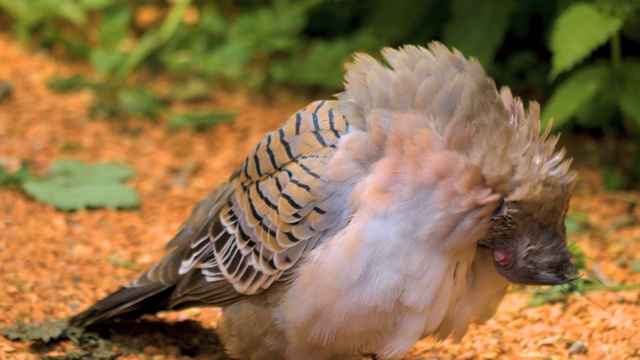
(249, 232)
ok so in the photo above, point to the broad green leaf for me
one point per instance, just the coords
(139, 102)
(72, 185)
(578, 31)
(477, 28)
(598, 112)
(572, 94)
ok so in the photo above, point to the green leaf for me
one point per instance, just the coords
(72, 185)
(16, 179)
(600, 110)
(45, 332)
(105, 60)
(269, 29)
(5, 177)
(572, 94)
(578, 31)
(72, 12)
(139, 102)
(477, 28)
(635, 268)
(198, 122)
(321, 65)
(114, 25)
(228, 59)
(575, 222)
(67, 84)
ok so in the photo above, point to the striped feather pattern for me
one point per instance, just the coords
(255, 227)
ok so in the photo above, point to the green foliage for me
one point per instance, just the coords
(72, 185)
(579, 30)
(629, 96)
(598, 92)
(478, 28)
(575, 222)
(89, 345)
(198, 122)
(578, 90)
(138, 102)
(305, 43)
(45, 332)
(614, 179)
(16, 179)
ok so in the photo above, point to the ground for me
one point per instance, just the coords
(54, 263)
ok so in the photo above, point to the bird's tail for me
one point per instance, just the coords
(128, 302)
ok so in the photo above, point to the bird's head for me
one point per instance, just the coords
(529, 243)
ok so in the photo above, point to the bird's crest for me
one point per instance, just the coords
(461, 104)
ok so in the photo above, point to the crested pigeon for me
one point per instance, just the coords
(401, 209)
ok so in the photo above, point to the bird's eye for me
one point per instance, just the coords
(502, 257)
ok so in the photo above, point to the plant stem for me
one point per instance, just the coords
(151, 40)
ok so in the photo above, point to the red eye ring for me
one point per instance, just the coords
(502, 257)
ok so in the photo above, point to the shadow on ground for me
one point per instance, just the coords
(150, 337)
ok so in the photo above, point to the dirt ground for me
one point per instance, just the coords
(54, 263)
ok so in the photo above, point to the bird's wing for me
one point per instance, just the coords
(251, 230)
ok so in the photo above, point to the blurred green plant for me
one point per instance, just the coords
(597, 92)
(88, 345)
(72, 185)
(537, 47)
(198, 122)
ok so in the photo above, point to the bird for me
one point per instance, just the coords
(402, 208)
